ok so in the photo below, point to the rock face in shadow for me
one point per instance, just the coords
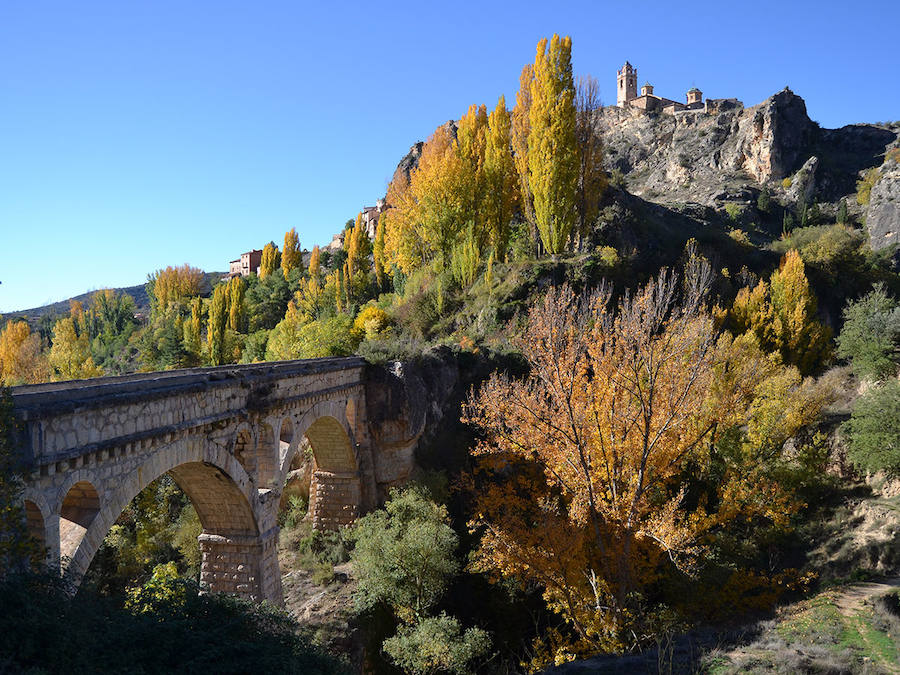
(403, 401)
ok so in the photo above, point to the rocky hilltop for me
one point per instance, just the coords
(732, 153)
(695, 162)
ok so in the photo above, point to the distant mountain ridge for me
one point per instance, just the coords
(138, 294)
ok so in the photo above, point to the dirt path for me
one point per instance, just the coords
(851, 598)
(850, 603)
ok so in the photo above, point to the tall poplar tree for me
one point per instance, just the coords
(591, 176)
(378, 253)
(471, 144)
(269, 260)
(315, 266)
(521, 128)
(552, 151)
(215, 329)
(291, 257)
(500, 179)
(236, 313)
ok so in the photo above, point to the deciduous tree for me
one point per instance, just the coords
(269, 261)
(552, 151)
(70, 354)
(216, 324)
(591, 176)
(589, 455)
(21, 359)
(291, 256)
(500, 179)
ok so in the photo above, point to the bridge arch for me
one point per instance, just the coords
(335, 490)
(226, 503)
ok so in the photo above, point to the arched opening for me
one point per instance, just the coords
(34, 521)
(159, 526)
(331, 446)
(335, 490)
(79, 508)
(232, 557)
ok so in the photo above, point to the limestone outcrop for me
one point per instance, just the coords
(731, 152)
(883, 212)
(404, 400)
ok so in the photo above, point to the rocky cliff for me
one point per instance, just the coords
(883, 212)
(731, 154)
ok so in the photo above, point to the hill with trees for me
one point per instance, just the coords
(672, 354)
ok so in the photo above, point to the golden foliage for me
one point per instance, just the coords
(521, 128)
(291, 256)
(315, 266)
(216, 324)
(21, 360)
(70, 354)
(501, 195)
(174, 285)
(782, 316)
(236, 309)
(552, 153)
(427, 214)
(584, 487)
(269, 260)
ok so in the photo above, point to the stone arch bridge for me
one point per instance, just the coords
(226, 435)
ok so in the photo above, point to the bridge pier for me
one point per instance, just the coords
(242, 565)
(334, 499)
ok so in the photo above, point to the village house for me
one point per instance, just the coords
(247, 263)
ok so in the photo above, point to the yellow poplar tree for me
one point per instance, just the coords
(521, 129)
(215, 328)
(269, 260)
(552, 152)
(193, 327)
(471, 144)
(291, 256)
(21, 360)
(315, 266)
(70, 354)
(782, 316)
(378, 252)
(500, 179)
(236, 310)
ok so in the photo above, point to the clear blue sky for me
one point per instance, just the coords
(139, 134)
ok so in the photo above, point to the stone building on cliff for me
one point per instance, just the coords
(627, 96)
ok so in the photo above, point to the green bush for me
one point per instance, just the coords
(436, 645)
(874, 430)
(870, 334)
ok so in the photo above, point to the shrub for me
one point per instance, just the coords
(740, 237)
(870, 334)
(764, 201)
(734, 211)
(372, 323)
(410, 528)
(874, 430)
(436, 644)
(864, 186)
(786, 183)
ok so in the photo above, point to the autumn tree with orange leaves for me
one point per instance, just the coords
(639, 434)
